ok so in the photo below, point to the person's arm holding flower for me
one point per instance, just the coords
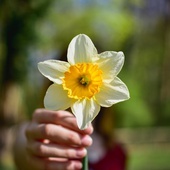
(51, 141)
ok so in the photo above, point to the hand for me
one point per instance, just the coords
(54, 141)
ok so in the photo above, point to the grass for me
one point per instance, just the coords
(149, 157)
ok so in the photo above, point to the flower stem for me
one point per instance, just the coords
(85, 163)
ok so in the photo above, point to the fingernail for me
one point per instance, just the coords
(86, 140)
(89, 130)
(78, 165)
(81, 152)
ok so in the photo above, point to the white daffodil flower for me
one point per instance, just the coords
(86, 82)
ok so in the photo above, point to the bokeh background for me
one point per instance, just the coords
(33, 31)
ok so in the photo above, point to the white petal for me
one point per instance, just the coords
(81, 50)
(85, 111)
(112, 93)
(56, 98)
(53, 69)
(110, 63)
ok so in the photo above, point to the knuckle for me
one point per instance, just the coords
(40, 149)
(36, 113)
(69, 153)
(73, 138)
(46, 130)
(56, 116)
(28, 131)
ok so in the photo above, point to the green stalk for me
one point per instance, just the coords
(85, 163)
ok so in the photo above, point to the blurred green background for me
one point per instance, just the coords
(33, 31)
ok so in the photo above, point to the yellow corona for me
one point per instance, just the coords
(82, 80)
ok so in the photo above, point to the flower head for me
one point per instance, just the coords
(86, 82)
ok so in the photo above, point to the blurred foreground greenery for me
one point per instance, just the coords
(33, 31)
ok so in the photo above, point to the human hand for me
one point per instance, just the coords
(54, 142)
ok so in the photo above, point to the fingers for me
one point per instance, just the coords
(54, 141)
(63, 118)
(53, 164)
(57, 134)
(41, 149)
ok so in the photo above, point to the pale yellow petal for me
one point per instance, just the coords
(112, 93)
(110, 63)
(81, 50)
(85, 111)
(56, 98)
(53, 69)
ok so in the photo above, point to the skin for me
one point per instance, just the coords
(51, 141)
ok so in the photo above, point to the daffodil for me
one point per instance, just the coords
(86, 82)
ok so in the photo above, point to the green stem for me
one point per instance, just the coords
(85, 163)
